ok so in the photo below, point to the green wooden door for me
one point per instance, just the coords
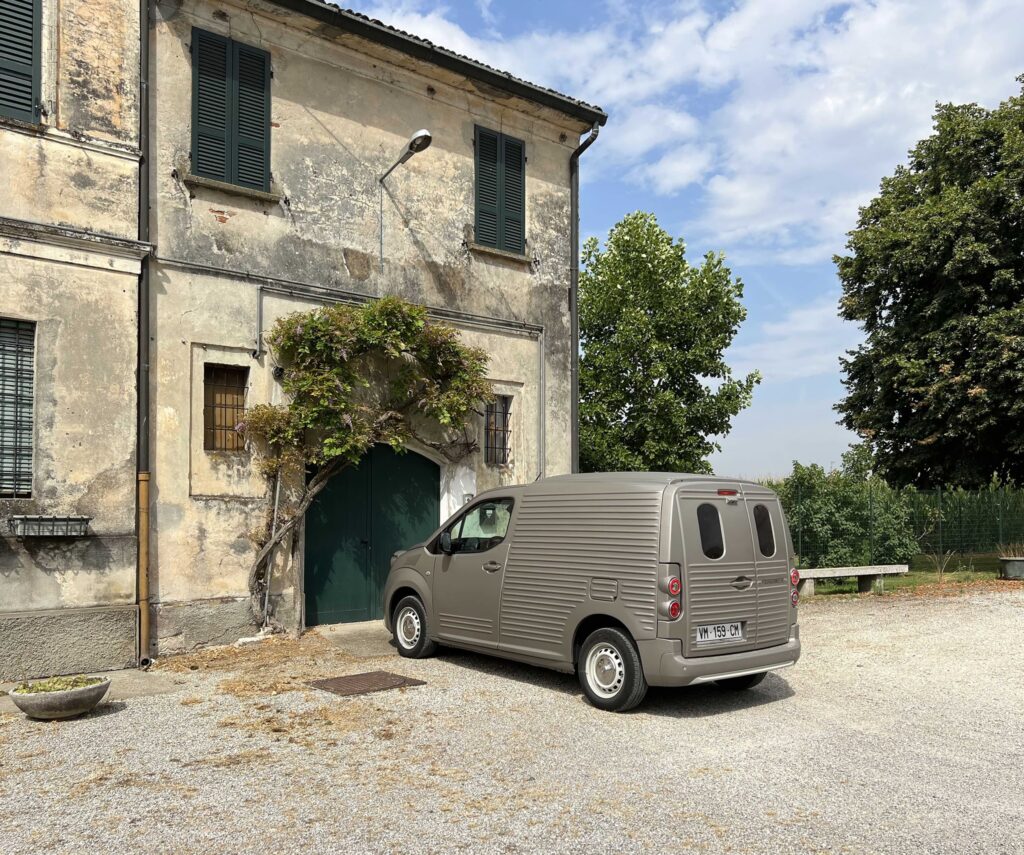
(389, 502)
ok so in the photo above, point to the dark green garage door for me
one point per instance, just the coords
(390, 501)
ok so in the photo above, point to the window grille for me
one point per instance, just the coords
(17, 376)
(497, 430)
(223, 406)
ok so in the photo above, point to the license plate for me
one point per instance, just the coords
(712, 633)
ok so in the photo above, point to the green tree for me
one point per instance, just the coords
(935, 276)
(849, 516)
(654, 386)
(355, 377)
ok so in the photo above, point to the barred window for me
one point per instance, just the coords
(497, 428)
(17, 376)
(223, 406)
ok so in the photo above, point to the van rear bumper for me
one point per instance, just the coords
(665, 665)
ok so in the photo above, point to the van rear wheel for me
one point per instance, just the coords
(738, 684)
(409, 622)
(610, 670)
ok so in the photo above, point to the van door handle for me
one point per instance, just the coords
(741, 583)
(492, 567)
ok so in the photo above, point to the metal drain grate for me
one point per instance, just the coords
(362, 684)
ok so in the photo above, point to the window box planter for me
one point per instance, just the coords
(23, 525)
(37, 700)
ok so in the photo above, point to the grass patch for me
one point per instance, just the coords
(56, 684)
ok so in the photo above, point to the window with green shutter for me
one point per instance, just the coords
(20, 38)
(230, 111)
(500, 191)
(17, 376)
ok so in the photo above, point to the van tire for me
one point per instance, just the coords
(738, 684)
(411, 637)
(612, 652)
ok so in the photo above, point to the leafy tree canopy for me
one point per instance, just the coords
(849, 516)
(935, 276)
(654, 386)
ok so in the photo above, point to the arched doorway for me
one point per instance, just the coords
(389, 502)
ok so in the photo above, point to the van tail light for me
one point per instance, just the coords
(670, 586)
(728, 492)
(794, 596)
(794, 577)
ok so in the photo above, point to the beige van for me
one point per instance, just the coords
(629, 579)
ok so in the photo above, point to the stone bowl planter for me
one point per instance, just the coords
(63, 703)
(1011, 568)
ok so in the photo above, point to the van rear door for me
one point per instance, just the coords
(771, 563)
(719, 576)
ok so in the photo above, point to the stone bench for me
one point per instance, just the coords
(866, 576)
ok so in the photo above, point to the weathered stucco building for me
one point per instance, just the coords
(69, 273)
(268, 128)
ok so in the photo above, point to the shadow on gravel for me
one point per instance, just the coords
(109, 708)
(688, 702)
(707, 700)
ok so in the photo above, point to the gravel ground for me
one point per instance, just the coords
(900, 730)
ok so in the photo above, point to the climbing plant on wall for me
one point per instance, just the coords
(354, 377)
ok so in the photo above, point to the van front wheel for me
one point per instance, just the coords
(610, 670)
(409, 621)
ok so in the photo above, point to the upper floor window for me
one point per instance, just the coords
(230, 111)
(17, 376)
(223, 406)
(497, 430)
(20, 37)
(500, 191)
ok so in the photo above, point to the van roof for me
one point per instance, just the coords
(640, 481)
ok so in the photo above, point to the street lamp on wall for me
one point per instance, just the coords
(417, 142)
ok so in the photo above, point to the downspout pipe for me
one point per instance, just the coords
(142, 377)
(574, 287)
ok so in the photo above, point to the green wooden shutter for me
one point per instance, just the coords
(513, 195)
(211, 105)
(20, 38)
(251, 120)
(17, 374)
(487, 187)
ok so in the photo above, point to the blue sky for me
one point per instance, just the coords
(755, 128)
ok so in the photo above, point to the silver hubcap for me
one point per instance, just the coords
(408, 627)
(605, 671)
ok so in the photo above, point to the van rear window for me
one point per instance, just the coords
(765, 534)
(710, 525)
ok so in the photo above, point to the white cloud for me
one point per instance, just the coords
(807, 342)
(677, 168)
(791, 112)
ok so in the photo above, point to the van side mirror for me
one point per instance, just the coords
(445, 542)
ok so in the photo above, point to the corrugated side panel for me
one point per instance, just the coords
(561, 542)
(773, 616)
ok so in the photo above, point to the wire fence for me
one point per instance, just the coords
(872, 523)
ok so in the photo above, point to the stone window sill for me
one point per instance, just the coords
(22, 125)
(190, 180)
(524, 260)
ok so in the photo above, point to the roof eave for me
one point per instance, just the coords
(427, 52)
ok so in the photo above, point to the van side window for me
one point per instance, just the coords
(765, 534)
(709, 523)
(482, 527)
